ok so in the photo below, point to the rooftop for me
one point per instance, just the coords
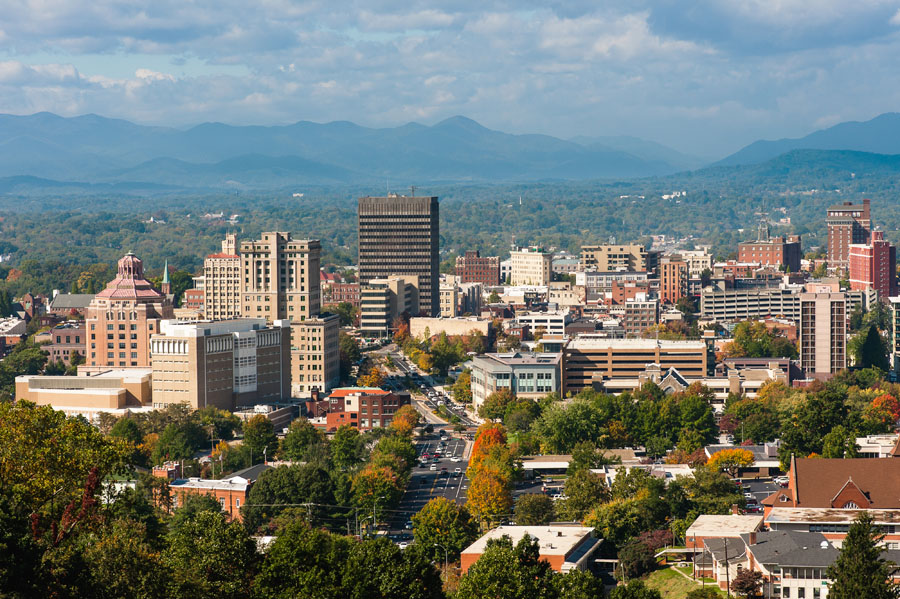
(235, 483)
(67, 301)
(597, 342)
(347, 391)
(792, 548)
(730, 525)
(810, 515)
(554, 539)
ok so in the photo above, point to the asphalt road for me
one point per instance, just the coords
(426, 484)
(759, 489)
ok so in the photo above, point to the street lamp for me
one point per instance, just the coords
(444, 547)
(374, 516)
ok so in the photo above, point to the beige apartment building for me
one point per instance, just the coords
(606, 257)
(222, 282)
(823, 333)
(280, 277)
(120, 319)
(226, 363)
(315, 355)
(530, 266)
(589, 360)
(381, 301)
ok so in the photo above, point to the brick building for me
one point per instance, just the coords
(66, 340)
(339, 293)
(847, 224)
(774, 251)
(473, 268)
(874, 266)
(673, 279)
(364, 408)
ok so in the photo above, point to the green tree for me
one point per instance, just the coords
(869, 349)
(126, 429)
(583, 490)
(179, 441)
(443, 521)
(462, 388)
(348, 353)
(704, 593)
(124, 564)
(300, 440)
(839, 443)
(511, 572)
(378, 569)
(345, 310)
(635, 560)
(218, 424)
(534, 509)
(259, 437)
(289, 486)
(347, 447)
(586, 456)
(860, 570)
(495, 404)
(210, 558)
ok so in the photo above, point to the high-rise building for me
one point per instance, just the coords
(608, 257)
(315, 356)
(823, 333)
(847, 224)
(473, 268)
(226, 364)
(280, 278)
(895, 338)
(121, 318)
(530, 266)
(874, 266)
(399, 236)
(673, 279)
(222, 282)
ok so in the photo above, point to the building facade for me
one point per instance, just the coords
(399, 235)
(673, 279)
(874, 266)
(340, 293)
(315, 354)
(608, 257)
(280, 278)
(639, 315)
(473, 268)
(528, 376)
(775, 251)
(121, 319)
(226, 363)
(847, 224)
(222, 282)
(66, 340)
(530, 266)
(823, 333)
(382, 301)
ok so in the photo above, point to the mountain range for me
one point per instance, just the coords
(94, 149)
(90, 154)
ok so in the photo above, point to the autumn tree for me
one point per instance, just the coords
(747, 584)
(405, 420)
(373, 378)
(489, 494)
(730, 461)
(462, 388)
(374, 486)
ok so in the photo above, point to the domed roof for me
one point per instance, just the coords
(130, 282)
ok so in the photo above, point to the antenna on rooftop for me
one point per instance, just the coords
(412, 191)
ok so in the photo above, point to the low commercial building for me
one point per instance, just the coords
(727, 526)
(70, 304)
(617, 257)
(364, 408)
(596, 281)
(528, 376)
(552, 323)
(462, 325)
(112, 391)
(589, 360)
(66, 340)
(224, 364)
(231, 492)
(780, 252)
(473, 268)
(566, 547)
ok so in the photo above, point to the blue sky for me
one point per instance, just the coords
(706, 76)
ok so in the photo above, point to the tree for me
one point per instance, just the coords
(635, 560)
(348, 353)
(860, 570)
(462, 388)
(495, 404)
(868, 349)
(122, 563)
(219, 424)
(288, 486)
(376, 486)
(374, 378)
(839, 443)
(584, 490)
(405, 420)
(209, 558)
(585, 456)
(534, 509)
(298, 441)
(730, 461)
(511, 572)
(259, 437)
(494, 298)
(635, 589)
(489, 494)
(747, 584)
(345, 310)
(378, 569)
(346, 447)
(442, 521)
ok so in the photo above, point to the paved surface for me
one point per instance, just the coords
(759, 489)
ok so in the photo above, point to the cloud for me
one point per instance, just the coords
(707, 77)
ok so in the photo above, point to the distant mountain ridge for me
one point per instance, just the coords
(95, 149)
(880, 135)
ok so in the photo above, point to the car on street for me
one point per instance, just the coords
(402, 545)
(433, 467)
(408, 525)
(457, 472)
(455, 459)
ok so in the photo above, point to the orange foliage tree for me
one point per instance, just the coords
(730, 461)
(489, 494)
(405, 420)
(374, 378)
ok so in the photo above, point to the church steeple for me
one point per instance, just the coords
(166, 286)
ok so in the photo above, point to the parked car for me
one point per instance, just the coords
(457, 472)
(433, 467)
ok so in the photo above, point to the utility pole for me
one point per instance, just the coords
(727, 571)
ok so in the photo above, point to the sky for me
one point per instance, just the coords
(704, 76)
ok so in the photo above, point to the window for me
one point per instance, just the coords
(786, 592)
(801, 593)
(237, 502)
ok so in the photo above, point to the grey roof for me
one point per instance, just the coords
(252, 473)
(65, 301)
(736, 549)
(759, 451)
(792, 548)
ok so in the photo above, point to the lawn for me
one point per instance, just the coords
(671, 584)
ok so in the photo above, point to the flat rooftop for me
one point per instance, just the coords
(554, 539)
(730, 525)
(597, 342)
(811, 515)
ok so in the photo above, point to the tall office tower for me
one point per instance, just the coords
(823, 333)
(673, 279)
(874, 266)
(121, 318)
(399, 235)
(847, 224)
(222, 282)
(280, 277)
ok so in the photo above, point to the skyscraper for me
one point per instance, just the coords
(874, 266)
(222, 282)
(399, 235)
(280, 277)
(121, 318)
(847, 224)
